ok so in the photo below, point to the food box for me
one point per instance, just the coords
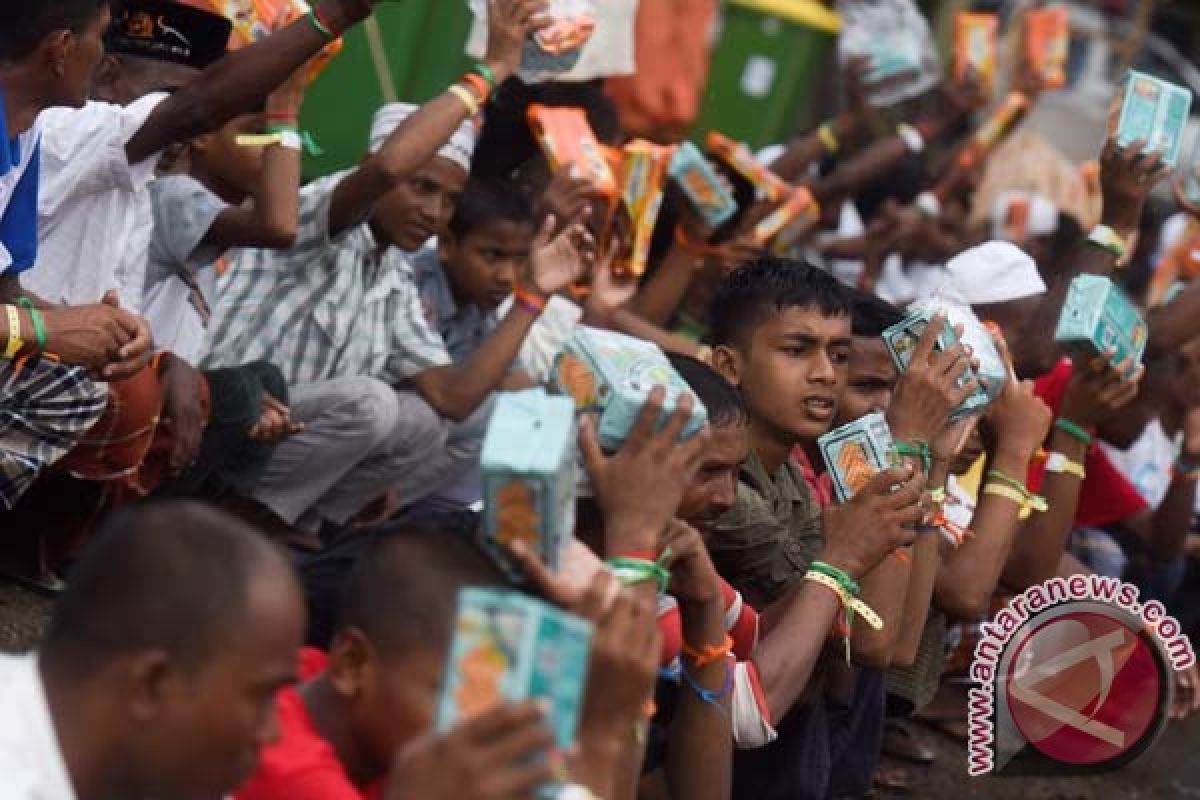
(1155, 112)
(767, 185)
(567, 141)
(975, 48)
(702, 186)
(856, 452)
(1097, 316)
(643, 173)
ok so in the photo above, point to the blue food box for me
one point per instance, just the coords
(901, 340)
(613, 373)
(698, 180)
(1097, 316)
(1155, 112)
(857, 452)
(509, 647)
(528, 466)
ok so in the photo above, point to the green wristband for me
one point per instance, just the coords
(485, 72)
(39, 325)
(632, 571)
(320, 26)
(1073, 430)
(845, 581)
(917, 449)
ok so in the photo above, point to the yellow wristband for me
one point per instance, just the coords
(828, 138)
(15, 342)
(852, 603)
(1028, 503)
(1059, 464)
(467, 97)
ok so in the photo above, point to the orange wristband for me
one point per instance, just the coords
(710, 654)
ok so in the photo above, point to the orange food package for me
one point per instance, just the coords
(1047, 44)
(567, 141)
(788, 224)
(975, 47)
(997, 126)
(738, 157)
(256, 19)
(643, 176)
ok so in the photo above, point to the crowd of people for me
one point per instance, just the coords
(241, 421)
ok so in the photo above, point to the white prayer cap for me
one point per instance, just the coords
(1041, 216)
(994, 272)
(458, 149)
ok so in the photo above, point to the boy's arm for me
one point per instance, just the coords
(239, 81)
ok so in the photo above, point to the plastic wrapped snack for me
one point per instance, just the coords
(567, 141)
(1048, 43)
(975, 48)
(557, 49)
(614, 374)
(1097, 316)
(707, 193)
(256, 19)
(1155, 112)
(643, 174)
(767, 185)
(857, 452)
(791, 222)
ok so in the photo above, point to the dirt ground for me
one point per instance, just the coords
(1171, 770)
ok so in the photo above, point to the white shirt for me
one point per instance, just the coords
(31, 762)
(1147, 463)
(94, 215)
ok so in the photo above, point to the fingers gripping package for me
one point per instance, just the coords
(614, 374)
(567, 141)
(701, 185)
(558, 48)
(509, 647)
(643, 173)
(901, 340)
(528, 466)
(1155, 112)
(256, 19)
(1097, 316)
(855, 453)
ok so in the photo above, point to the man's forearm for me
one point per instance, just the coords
(788, 654)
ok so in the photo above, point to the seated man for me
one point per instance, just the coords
(140, 691)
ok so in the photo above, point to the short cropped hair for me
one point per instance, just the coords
(720, 398)
(751, 294)
(489, 200)
(871, 314)
(172, 576)
(403, 591)
(28, 22)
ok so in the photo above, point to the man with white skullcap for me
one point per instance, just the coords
(342, 306)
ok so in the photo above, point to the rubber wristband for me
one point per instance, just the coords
(533, 304)
(1073, 430)
(485, 72)
(710, 696)
(917, 449)
(828, 138)
(39, 325)
(1108, 240)
(703, 656)
(848, 584)
(15, 342)
(479, 86)
(467, 97)
(319, 24)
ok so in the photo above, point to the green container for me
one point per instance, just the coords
(765, 68)
(421, 53)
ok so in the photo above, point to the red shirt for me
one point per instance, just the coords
(301, 765)
(1106, 497)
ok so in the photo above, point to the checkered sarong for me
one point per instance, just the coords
(45, 408)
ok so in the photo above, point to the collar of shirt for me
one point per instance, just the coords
(786, 487)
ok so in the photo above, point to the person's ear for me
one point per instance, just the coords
(351, 657)
(106, 77)
(150, 681)
(728, 361)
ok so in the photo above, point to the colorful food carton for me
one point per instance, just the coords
(567, 141)
(613, 373)
(993, 130)
(254, 20)
(643, 174)
(1097, 316)
(856, 452)
(528, 465)
(557, 49)
(704, 189)
(791, 222)
(975, 48)
(767, 185)
(893, 55)
(509, 647)
(1048, 44)
(1155, 112)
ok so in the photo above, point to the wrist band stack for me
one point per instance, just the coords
(632, 571)
(39, 325)
(847, 591)
(474, 88)
(1108, 240)
(1001, 485)
(919, 450)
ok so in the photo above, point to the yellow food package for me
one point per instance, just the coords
(1047, 44)
(975, 47)
(643, 175)
(256, 19)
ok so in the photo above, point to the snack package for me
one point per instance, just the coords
(790, 222)
(897, 52)
(901, 340)
(767, 185)
(1048, 43)
(691, 170)
(557, 49)
(256, 19)
(567, 141)
(856, 452)
(1155, 112)
(613, 373)
(995, 128)
(528, 466)
(643, 174)
(1097, 316)
(509, 647)
(975, 48)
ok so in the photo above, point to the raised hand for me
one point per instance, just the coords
(1099, 388)
(694, 579)
(559, 260)
(509, 24)
(862, 532)
(1127, 175)
(182, 388)
(929, 389)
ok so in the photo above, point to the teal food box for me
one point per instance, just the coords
(1097, 316)
(695, 176)
(509, 647)
(901, 340)
(856, 452)
(1155, 112)
(613, 373)
(528, 466)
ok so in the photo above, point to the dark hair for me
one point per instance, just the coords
(403, 592)
(872, 315)
(720, 397)
(28, 22)
(170, 575)
(751, 294)
(487, 200)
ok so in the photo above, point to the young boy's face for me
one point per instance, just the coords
(420, 207)
(793, 371)
(714, 489)
(484, 264)
(871, 380)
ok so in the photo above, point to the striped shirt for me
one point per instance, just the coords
(328, 308)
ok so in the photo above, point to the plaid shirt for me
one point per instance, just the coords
(45, 408)
(328, 308)
(462, 328)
